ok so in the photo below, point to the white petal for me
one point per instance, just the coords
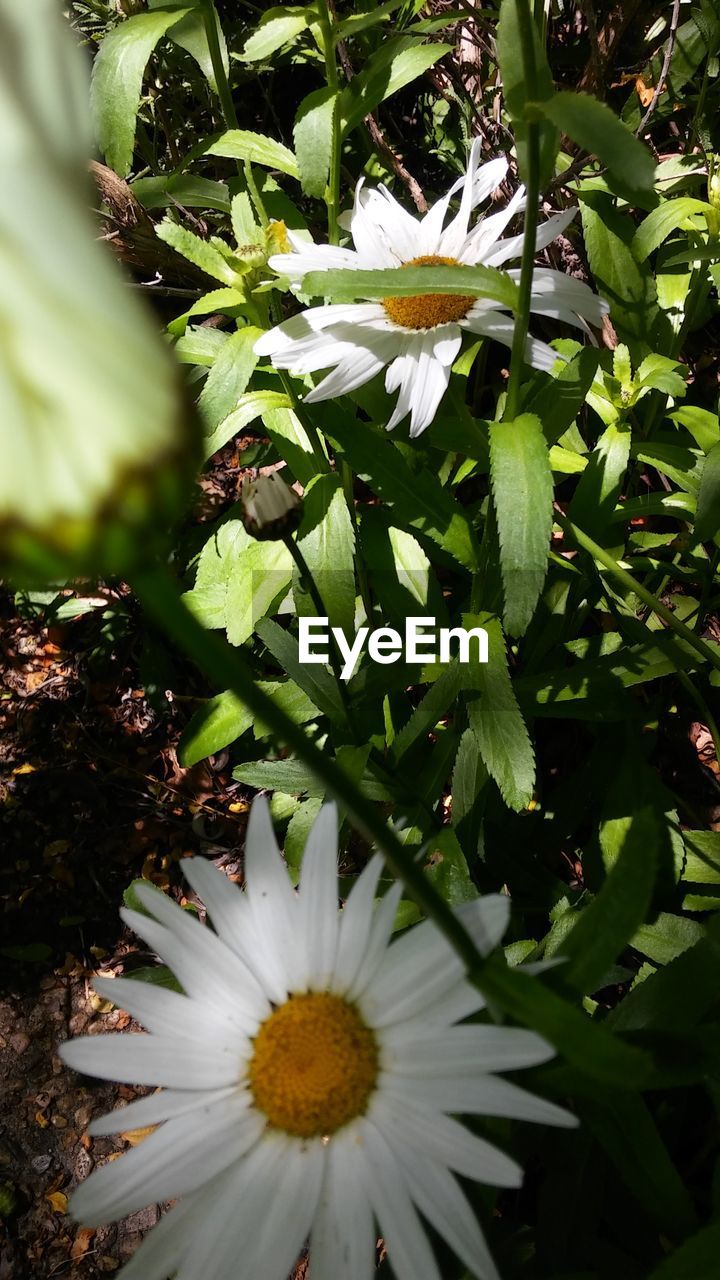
(355, 925)
(483, 237)
(203, 965)
(423, 373)
(368, 235)
(177, 1158)
(430, 386)
(488, 178)
(493, 325)
(288, 1215)
(462, 1001)
(466, 1049)
(163, 1248)
(504, 250)
(314, 320)
(483, 1095)
(398, 226)
(380, 931)
(319, 899)
(168, 1013)
(357, 368)
(342, 1245)
(444, 1139)
(156, 1107)
(453, 238)
(422, 965)
(313, 257)
(273, 904)
(168, 1061)
(439, 1198)
(407, 1244)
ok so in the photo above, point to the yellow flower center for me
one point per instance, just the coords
(426, 310)
(314, 1065)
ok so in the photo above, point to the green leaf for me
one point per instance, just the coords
(312, 136)
(702, 857)
(707, 520)
(315, 680)
(202, 253)
(701, 423)
(522, 488)
(625, 283)
(517, 89)
(257, 583)
(296, 836)
(291, 441)
(242, 144)
(294, 778)
(278, 26)
(327, 541)
(662, 374)
(224, 718)
(632, 843)
(190, 34)
(697, 1257)
(117, 81)
(469, 782)
(557, 401)
(228, 379)
(168, 190)
(601, 483)
(158, 975)
(667, 938)
(661, 222)
(434, 705)
(415, 496)
(404, 282)
(251, 405)
(597, 129)
(496, 718)
(390, 68)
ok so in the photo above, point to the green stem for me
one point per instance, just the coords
(604, 558)
(245, 168)
(522, 320)
(363, 580)
(226, 667)
(326, 22)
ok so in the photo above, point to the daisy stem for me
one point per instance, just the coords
(160, 596)
(226, 102)
(532, 183)
(326, 22)
(609, 562)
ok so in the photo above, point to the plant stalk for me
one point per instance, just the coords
(326, 22)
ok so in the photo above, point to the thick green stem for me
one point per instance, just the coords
(522, 320)
(326, 22)
(603, 557)
(226, 667)
(245, 168)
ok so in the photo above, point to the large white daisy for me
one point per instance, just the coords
(419, 337)
(310, 1075)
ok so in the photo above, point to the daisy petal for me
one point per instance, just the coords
(355, 924)
(502, 328)
(482, 1095)
(404, 1235)
(380, 931)
(273, 905)
(466, 1049)
(313, 257)
(159, 1060)
(485, 235)
(342, 1245)
(168, 1013)
(369, 238)
(444, 1139)
(163, 1105)
(397, 225)
(358, 367)
(162, 1249)
(319, 899)
(504, 250)
(177, 1158)
(454, 236)
(438, 1196)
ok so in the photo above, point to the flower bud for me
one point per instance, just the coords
(269, 508)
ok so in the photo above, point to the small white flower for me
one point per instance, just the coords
(310, 1074)
(418, 338)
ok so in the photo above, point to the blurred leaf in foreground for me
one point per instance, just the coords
(95, 447)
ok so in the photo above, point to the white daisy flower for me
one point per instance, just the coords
(309, 1077)
(418, 338)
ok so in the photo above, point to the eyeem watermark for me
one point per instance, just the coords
(386, 645)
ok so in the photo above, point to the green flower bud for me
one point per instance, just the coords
(269, 508)
(96, 450)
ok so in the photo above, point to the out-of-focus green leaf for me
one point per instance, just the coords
(522, 487)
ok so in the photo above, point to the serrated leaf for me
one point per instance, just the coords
(625, 283)
(433, 706)
(257, 583)
(201, 252)
(243, 144)
(312, 136)
(391, 67)
(224, 718)
(315, 680)
(522, 487)
(707, 520)
(117, 82)
(598, 130)
(496, 718)
(278, 26)
(251, 405)
(404, 282)
(227, 379)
